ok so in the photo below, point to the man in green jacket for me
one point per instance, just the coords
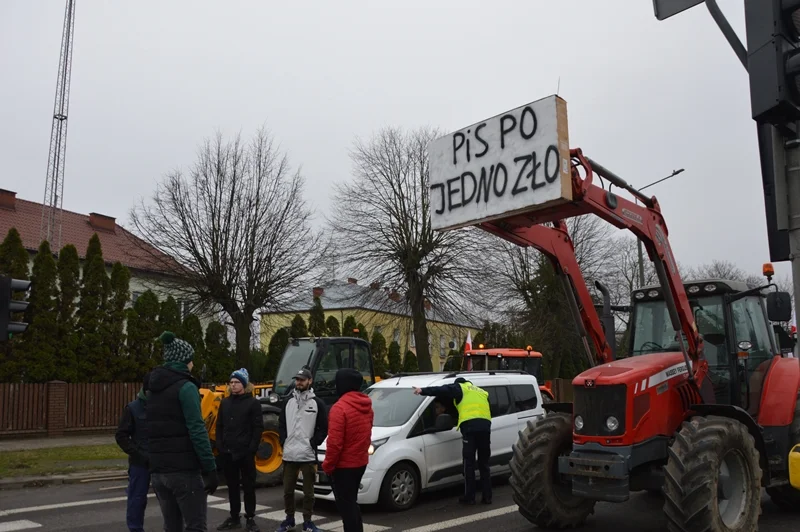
(182, 465)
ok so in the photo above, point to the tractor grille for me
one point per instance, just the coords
(594, 405)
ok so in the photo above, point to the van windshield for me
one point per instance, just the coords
(393, 407)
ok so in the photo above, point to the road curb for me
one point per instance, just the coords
(70, 478)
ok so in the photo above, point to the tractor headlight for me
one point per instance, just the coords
(612, 423)
(273, 398)
(578, 423)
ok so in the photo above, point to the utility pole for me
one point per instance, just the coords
(638, 241)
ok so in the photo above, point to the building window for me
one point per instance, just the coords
(412, 342)
(396, 336)
(442, 346)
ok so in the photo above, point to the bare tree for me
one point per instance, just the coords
(234, 232)
(382, 225)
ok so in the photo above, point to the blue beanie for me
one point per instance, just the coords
(242, 375)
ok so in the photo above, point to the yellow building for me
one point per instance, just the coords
(378, 309)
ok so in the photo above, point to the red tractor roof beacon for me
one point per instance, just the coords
(705, 408)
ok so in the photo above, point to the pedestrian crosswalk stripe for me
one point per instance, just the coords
(13, 526)
(280, 515)
(460, 521)
(227, 506)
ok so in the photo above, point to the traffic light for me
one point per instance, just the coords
(773, 60)
(9, 306)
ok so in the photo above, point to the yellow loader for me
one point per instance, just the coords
(323, 357)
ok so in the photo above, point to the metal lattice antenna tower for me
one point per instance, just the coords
(54, 185)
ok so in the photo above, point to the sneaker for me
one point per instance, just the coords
(309, 526)
(288, 524)
(230, 524)
(251, 525)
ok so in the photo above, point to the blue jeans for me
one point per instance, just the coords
(182, 500)
(138, 486)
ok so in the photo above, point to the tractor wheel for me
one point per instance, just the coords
(269, 457)
(712, 481)
(543, 495)
(787, 497)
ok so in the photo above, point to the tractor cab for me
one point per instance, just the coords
(323, 357)
(734, 322)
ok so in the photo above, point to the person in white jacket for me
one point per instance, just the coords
(303, 426)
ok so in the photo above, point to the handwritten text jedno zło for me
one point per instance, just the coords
(530, 176)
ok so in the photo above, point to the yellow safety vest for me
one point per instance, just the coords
(474, 403)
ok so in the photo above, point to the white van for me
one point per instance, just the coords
(411, 452)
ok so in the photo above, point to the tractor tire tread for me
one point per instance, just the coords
(690, 493)
(532, 482)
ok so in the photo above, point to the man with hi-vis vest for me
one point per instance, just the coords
(475, 424)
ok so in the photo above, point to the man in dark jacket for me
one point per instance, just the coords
(182, 465)
(131, 437)
(302, 427)
(239, 428)
(475, 423)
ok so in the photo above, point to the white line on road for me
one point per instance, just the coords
(464, 520)
(12, 526)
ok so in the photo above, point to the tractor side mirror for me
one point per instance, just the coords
(779, 306)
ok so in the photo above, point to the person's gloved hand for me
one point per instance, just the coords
(210, 482)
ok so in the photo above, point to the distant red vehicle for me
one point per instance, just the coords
(500, 358)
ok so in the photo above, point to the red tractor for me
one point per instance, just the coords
(705, 409)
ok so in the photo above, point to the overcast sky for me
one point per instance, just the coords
(151, 79)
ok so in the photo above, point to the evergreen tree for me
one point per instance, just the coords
(220, 359)
(169, 316)
(191, 331)
(258, 365)
(298, 328)
(92, 308)
(13, 262)
(277, 345)
(38, 345)
(379, 351)
(349, 325)
(332, 326)
(69, 272)
(410, 364)
(119, 296)
(362, 332)
(316, 319)
(143, 332)
(394, 360)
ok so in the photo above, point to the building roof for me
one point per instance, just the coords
(349, 295)
(77, 229)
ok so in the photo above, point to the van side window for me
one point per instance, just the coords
(524, 397)
(499, 401)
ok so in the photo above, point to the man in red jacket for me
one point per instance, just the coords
(347, 450)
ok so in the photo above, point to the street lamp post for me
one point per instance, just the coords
(638, 240)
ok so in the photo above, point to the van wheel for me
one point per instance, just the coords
(400, 488)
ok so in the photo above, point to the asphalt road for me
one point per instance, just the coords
(100, 506)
